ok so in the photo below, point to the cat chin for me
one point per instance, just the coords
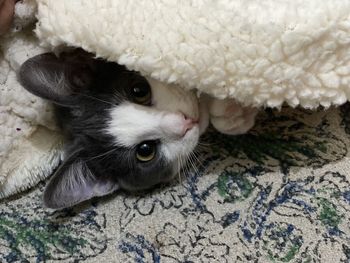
(181, 147)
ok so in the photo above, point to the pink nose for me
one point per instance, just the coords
(188, 124)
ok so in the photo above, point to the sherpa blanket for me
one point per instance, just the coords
(29, 142)
(263, 53)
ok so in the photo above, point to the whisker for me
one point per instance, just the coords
(204, 147)
(200, 163)
(183, 165)
(187, 162)
(94, 98)
(205, 143)
(193, 162)
(100, 155)
(128, 161)
(117, 95)
(199, 158)
(180, 167)
(179, 170)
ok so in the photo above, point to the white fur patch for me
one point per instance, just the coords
(165, 121)
(132, 124)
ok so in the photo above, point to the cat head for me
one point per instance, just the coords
(124, 130)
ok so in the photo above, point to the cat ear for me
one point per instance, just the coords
(73, 183)
(57, 78)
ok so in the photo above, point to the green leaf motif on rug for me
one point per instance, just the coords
(329, 215)
(291, 253)
(32, 233)
(234, 186)
(283, 141)
(282, 242)
(38, 235)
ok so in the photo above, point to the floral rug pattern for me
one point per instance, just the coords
(278, 194)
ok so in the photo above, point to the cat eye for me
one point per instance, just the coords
(141, 93)
(146, 151)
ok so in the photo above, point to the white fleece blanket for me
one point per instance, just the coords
(261, 52)
(29, 145)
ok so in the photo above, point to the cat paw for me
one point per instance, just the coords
(229, 117)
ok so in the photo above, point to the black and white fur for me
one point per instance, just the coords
(104, 126)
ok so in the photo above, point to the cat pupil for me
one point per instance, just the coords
(141, 93)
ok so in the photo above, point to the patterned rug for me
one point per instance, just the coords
(278, 194)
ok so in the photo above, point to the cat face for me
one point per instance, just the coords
(123, 130)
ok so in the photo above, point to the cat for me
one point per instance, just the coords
(123, 130)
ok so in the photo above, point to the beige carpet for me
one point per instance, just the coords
(278, 194)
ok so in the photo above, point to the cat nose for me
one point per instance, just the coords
(176, 125)
(188, 124)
